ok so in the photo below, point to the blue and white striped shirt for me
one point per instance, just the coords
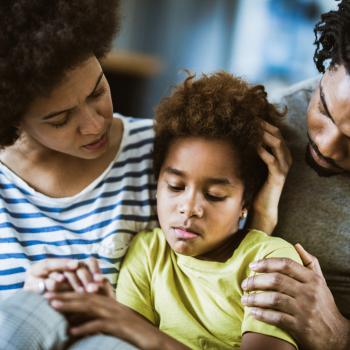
(97, 222)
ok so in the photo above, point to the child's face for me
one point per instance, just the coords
(199, 195)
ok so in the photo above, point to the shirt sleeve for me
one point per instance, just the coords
(250, 324)
(134, 283)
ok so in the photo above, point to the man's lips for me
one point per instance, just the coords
(319, 160)
(185, 233)
(322, 161)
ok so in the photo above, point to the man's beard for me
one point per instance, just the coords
(321, 171)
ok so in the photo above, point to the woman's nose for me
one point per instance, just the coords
(91, 123)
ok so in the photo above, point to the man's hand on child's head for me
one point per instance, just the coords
(277, 157)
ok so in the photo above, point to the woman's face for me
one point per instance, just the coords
(199, 195)
(76, 118)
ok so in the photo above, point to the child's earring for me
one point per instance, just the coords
(243, 218)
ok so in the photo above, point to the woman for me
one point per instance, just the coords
(76, 181)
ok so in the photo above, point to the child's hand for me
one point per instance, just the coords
(278, 161)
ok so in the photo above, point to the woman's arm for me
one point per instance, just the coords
(104, 314)
(258, 341)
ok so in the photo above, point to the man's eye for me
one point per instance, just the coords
(215, 198)
(321, 108)
(175, 188)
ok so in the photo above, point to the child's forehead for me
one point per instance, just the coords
(198, 155)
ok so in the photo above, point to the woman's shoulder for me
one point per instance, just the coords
(137, 127)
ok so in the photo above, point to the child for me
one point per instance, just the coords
(185, 278)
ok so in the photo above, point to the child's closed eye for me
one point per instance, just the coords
(175, 187)
(215, 198)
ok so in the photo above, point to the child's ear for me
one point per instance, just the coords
(244, 213)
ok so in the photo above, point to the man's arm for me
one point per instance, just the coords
(277, 157)
(297, 299)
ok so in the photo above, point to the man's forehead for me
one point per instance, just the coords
(334, 91)
(336, 79)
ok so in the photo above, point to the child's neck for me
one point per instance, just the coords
(224, 252)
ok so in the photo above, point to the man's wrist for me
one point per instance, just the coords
(347, 335)
(342, 340)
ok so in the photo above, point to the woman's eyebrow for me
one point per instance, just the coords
(54, 114)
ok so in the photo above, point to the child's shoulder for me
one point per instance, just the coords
(259, 245)
(149, 241)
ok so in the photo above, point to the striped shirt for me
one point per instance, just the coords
(97, 222)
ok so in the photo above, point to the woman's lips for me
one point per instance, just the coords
(183, 234)
(98, 144)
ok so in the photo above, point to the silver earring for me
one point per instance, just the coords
(242, 219)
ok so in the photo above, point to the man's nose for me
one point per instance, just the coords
(332, 145)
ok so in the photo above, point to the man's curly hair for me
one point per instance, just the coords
(40, 40)
(218, 106)
(332, 38)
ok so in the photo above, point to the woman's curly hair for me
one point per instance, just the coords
(40, 40)
(218, 106)
(332, 38)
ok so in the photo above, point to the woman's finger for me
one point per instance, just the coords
(93, 266)
(74, 281)
(85, 276)
(45, 267)
(57, 276)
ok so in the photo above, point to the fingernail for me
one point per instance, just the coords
(73, 331)
(253, 311)
(56, 303)
(73, 264)
(91, 288)
(48, 295)
(60, 278)
(244, 284)
(253, 265)
(80, 290)
(244, 299)
(98, 277)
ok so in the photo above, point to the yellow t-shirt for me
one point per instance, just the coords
(194, 301)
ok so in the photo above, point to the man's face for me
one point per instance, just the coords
(328, 120)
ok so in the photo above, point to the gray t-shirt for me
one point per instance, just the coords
(314, 210)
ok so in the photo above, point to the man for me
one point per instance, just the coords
(315, 205)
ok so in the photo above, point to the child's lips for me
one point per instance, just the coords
(185, 233)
